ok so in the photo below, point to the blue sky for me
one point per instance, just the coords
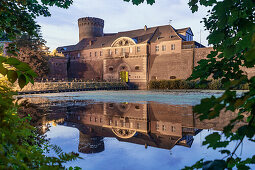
(62, 29)
(126, 156)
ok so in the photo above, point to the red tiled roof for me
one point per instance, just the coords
(158, 33)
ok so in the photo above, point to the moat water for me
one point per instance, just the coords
(125, 130)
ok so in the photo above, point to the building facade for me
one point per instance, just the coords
(137, 56)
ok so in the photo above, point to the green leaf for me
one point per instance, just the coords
(22, 81)
(225, 151)
(12, 61)
(246, 130)
(32, 73)
(3, 70)
(12, 76)
(23, 67)
(215, 165)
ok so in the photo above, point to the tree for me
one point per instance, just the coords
(231, 26)
(32, 50)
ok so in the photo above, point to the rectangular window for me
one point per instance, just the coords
(172, 46)
(157, 48)
(163, 127)
(109, 52)
(123, 51)
(172, 128)
(163, 47)
(101, 53)
(138, 125)
(90, 54)
(157, 126)
(116, 51)
(138, 49)
(95, 54)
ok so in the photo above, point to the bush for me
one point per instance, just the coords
(185, 84)
(21, 147)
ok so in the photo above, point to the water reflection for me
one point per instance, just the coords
(149, 124)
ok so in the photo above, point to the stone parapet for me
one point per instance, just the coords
(48, 87)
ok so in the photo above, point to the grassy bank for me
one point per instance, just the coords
(184, 84)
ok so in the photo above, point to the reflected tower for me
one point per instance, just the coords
(90, 144)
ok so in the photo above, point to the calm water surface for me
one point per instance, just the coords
(131, 129)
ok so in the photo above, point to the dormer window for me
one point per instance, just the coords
(138, 49)
(156, 48)
(172, 46)
(163, 47)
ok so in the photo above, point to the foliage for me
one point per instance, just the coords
(1, 48)
(16, 70)
(190, 84)
(18, 16)
(231, 26)
(232, 34)
(20, 146)
(32, 50)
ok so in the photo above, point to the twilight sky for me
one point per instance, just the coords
(62, 28)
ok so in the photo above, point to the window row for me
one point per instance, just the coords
(163, 48)
(110, 68)
(123, 124)
(124, 50)
(95, 120)
(172, 128)
(96, 53)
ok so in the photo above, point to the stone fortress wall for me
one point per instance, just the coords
(156, 53)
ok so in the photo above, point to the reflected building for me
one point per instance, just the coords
(149, 124)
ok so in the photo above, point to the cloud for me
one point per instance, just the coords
(62, 28)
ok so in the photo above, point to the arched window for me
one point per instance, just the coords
(111, 68)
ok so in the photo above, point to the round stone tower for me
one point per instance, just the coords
(90, 27)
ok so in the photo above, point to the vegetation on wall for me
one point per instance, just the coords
(231, 26)
(191, 84)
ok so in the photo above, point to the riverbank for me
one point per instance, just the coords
(57, 87)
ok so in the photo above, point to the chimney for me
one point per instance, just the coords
(90, 43)
(145, 28)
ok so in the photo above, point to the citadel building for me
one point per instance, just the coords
(136, 56)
